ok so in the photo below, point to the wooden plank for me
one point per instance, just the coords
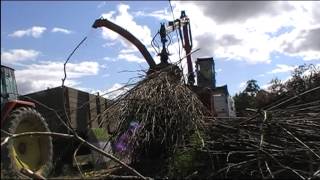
(77, 114)
(93, 111)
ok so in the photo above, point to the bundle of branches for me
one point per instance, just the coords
(278, 143)
(162, 111)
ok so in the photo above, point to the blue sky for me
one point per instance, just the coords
(259, 40)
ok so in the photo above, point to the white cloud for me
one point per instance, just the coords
(106, 75)
(315, 68)
(242, 85)
(113, 92)
(126, 20)
(131, 58)
(301, 42)
(101, 4)
(266, 87)
(254, 30)
(36, 77)
(286, 68)
(286, 79)
(219, 70)
(163, 14)
(110, 59)
(230, 41)
(35, 31)
(61, 30)
(241, 11)
(103, 66)
(282, 68)
(129, 50)
(109, 44)
(17, 55)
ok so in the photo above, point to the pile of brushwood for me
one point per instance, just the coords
(169, 134)
(164, 111)
(283, 142)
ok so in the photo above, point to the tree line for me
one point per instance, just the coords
(303, 78)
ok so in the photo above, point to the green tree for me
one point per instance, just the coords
(252, 87)
(263, 98)
(246, 98)
(277, 87)
(304, 77)
(297, 84)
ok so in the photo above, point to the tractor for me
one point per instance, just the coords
(25, 153)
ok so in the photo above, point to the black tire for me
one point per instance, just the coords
(30, 152)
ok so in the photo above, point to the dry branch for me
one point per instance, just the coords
(81, 140)
(166, 110)
(282, 143)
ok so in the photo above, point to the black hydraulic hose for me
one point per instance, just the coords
(190, 35)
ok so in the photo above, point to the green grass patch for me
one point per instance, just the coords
(100, 134)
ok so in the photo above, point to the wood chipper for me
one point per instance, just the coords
(205, 66)
(26, 153)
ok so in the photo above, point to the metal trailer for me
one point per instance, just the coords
(83, 110)
(81, 107)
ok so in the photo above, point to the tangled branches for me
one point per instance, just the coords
(280, 143)
(166, 111)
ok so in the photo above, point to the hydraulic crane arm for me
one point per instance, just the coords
(126, 34)
(186, 40)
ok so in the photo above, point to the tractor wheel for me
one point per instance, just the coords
(30, 152)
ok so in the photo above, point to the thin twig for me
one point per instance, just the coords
(84, 142)
(298, 140)
(75, 160)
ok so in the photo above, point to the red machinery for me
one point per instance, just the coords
(186, 40)
(183, 23)
(183, 26)
(27, 152)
